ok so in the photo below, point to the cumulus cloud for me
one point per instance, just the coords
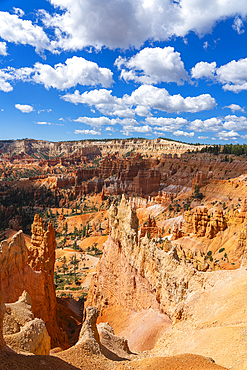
(19, 31)
(152, 66)
(233, 122)
(24, 108)
(4, 85)
(108, 128)
(235, 107)
(143, 99)
(166, 124)
(96, 121)
(75, 70)
(233, 75)
(117, 24)
(128, 129)
(114, 24)
(87, 132)
(217, 124)
(183, 133)
(204, 70)
(228, 135)
(203, 137)
(212, 124)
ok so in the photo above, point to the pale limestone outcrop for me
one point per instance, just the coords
(89, 335)
(136, 273)
(116, 347)
(22, 331)
(100, 339)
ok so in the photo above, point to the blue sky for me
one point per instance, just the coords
(79, 69)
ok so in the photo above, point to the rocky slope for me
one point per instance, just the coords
(22, 331)
(206, 308)
(99, 349)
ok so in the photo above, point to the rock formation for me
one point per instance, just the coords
(150, 228)
(151, 276)
(89, 335)
(100, 339)
(23, 332)
(201, 223)
(2, 311)
(32, 269)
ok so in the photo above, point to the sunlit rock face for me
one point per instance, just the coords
(32, 269)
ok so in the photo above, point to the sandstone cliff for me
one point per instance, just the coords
(32, 269)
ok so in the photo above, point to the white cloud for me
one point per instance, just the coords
(233, 122)
(160, 99)
(76, 70)
(143, 99)
(183, 133)
(117, 24)
(233, 75)
(3, 48)
(87, 132)
(127, 129)
(235, 107)
(45, 110)
(5, 86)
(152, 66)
(238, 25)
(114, 24)
(205, 45)
(18, 11)
(203, 137)
(19, 31)
(43, 123)
(204, 70)
(108, 128)
(96, 121)
(212, 124)
(24, 108)
(228, 135)
(102, 100)
(166, 124)
(217, 124)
